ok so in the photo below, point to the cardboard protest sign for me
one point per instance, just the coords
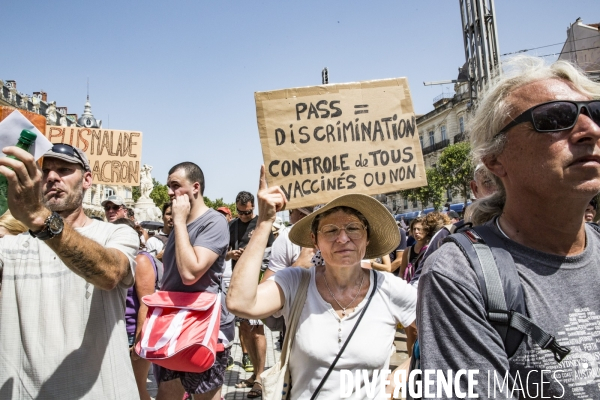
(114, 156)
(321, 142)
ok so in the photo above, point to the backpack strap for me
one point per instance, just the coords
(502, 291)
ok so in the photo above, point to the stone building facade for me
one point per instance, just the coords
(439, 128)
(38, 103)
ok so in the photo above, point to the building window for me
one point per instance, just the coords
(414, 203)
(461, 125)
(421, 140)
(449, 194)
(431, 138)
(444, 132)
(405, 204)
(108, 192)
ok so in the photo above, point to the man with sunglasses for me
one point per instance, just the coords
(114, 208)
(252, 334)
(537, 131)
(62, 328)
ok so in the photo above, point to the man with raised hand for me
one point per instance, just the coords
(194, 261)
(62, 322)
(537, 131)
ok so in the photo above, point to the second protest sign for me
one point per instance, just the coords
(321, 142)
(114, 155)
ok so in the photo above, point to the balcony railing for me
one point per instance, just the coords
(436, 147)
(443, 96)
(461, 137)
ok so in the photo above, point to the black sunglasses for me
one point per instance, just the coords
(249, 212)
(67, 149)
(113, 207)
(556, 115)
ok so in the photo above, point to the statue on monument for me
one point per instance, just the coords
(146, 184)
(145, 209)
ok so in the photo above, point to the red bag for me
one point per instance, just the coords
(181, 330)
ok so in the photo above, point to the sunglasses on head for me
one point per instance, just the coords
(67, 149)
(249, 212)
(114, 207)
(556, 115)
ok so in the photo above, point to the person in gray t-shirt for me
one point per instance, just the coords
(194, 261)
(538, 134)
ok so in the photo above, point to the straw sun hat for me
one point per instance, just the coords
(384, 234)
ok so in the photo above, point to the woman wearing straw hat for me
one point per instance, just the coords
(345, 231)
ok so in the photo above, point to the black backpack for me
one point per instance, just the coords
(501, 291)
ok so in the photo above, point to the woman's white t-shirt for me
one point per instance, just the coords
(321, 334)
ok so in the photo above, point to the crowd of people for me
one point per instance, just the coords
(337, 282)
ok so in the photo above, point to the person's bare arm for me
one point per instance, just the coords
(398, 261)
(192, 261)
(385, 265)
(245, 297)
(100, 266)
(404, 263)
(145, 280)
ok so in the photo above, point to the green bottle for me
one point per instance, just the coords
(26, 139)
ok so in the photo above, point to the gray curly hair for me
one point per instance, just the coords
(490, 115)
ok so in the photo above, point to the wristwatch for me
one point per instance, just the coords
(54, 226)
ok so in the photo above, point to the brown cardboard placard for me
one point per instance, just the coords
(321, 142)
(114, 155)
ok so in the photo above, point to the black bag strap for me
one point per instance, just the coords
(502, 291)
(316, 392)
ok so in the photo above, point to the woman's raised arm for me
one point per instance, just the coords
(245, 297)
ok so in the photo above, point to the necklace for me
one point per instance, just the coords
(338, 303)
(500, 229)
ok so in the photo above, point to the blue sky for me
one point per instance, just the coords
(185, 72)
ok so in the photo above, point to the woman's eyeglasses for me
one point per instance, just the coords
(249, 212)
(354, 230)
(556, 115)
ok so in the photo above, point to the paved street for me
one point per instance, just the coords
(237, 373)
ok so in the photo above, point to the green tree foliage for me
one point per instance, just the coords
(455, 169)
(433, 192)
(136, 193)
(160, 193)
(220, 203)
